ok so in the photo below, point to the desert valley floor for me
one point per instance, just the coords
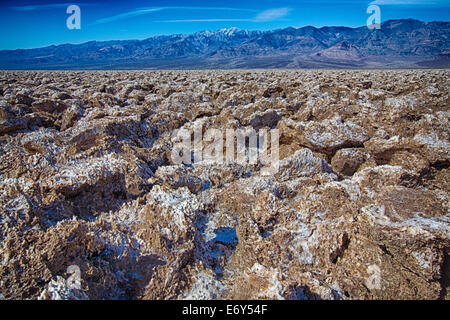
(359, 208)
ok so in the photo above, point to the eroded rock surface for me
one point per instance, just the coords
(359, 208)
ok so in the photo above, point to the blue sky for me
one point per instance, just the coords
(31, 24)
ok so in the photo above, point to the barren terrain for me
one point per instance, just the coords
(358, 210)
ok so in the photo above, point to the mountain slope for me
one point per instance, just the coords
(399, 43)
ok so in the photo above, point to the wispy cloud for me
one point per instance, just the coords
(205, 20)
(142, 11)
(443, 3)
(264, 16)
(47, 6)
(126, 15)
(272, 14)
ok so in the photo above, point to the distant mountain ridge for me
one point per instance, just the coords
(398, 44)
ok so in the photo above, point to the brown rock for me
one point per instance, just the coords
(348, 161)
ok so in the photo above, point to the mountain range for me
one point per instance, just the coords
(403, 43)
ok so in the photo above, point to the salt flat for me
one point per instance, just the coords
(358, 208)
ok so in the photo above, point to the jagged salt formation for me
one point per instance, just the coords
(358, 210)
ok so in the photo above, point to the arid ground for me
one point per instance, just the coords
(359, 208)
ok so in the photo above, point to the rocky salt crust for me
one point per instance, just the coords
(358, 210)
